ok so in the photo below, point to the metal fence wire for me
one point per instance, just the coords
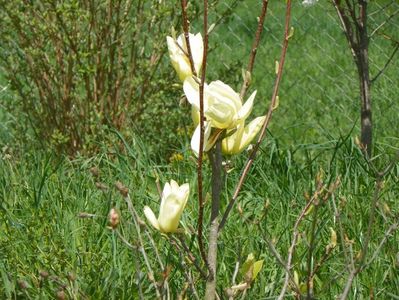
(319, 95)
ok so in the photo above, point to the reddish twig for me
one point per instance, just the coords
(201, 96)
(254, 49)
(187, 36)
(201, 143)
(267, 120)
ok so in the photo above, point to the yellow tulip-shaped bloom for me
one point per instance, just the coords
(222, 105)
(242, 137)
(223, 109)
(179, 54)
(174, 199)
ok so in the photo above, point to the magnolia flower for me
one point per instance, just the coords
(242, 137)
(174, 199)
(222, 105)
(179, 54)
(223, 109)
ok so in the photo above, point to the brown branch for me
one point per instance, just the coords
(262, 134)
(191, 257)
(201, 96)
(251, 62)
(187, 36)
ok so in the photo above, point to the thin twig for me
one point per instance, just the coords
(361, 264)
(383, 23)
(312, 245)
(236, 269)
(294, 240)
(251, 62)
(262, 134)
(136, 261)
(202, 118)
(386, 64)
(191, 257)
(348, 257)
(201, 143)
(141, 248)
(390, 230)
(279, 259)
(187, 35)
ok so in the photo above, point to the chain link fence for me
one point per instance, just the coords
(319, 95)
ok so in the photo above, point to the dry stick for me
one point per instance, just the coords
(201, 96)
(347, 255)
(294, 241)
(391, 229)
(362, 261)
(251, 62)
(136, 261)
(165, 281)
(141, 248)
(309, 281)
(280, 260)
(191, 257)
(262, 134)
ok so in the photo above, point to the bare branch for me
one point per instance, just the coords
(262, 134)
(251, 62)
(386, 64)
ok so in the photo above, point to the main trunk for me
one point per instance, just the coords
(216, 160)
(364, 80)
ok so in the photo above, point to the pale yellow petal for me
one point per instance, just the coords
(195, 140)
(221, 90)
(191, 90)
(246, 109)
(151, 217)
(234, 144)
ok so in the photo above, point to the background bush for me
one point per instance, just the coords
(80, 67)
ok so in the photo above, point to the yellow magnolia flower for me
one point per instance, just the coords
(242, 137)
(179, 55)
(174, 199)
(223, 109)
(222, 105)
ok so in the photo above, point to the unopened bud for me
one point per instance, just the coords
(22, 284)
(60, 295)
(121, 188)
(101, 186)
(95, 171)
(113, 218)
(43, 274)
(71, 276)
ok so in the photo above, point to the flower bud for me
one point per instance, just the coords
(113, 218)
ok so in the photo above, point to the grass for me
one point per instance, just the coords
(43, 196)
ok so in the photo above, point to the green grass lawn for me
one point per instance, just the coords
(55, 238)
(43, 200)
